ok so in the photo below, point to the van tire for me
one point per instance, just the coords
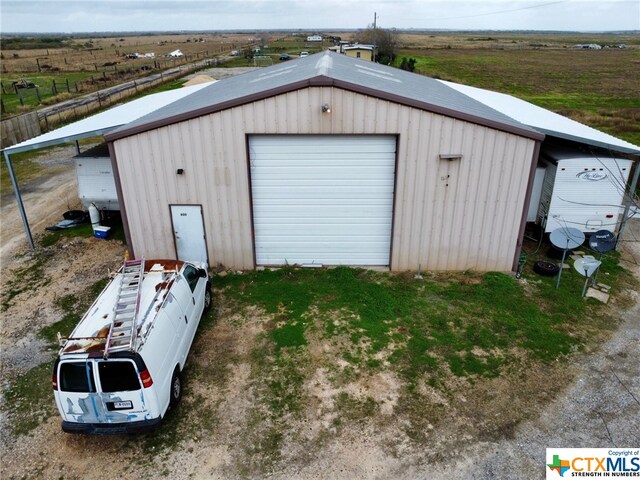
(176, 389)
(207, 298)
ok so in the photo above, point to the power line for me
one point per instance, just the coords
(497, 12)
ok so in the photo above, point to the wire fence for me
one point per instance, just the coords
(20, 128)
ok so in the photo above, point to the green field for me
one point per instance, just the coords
(596, 87)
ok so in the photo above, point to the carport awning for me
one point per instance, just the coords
(545, 121)
(106, 121)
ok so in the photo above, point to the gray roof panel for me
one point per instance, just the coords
(326, 69)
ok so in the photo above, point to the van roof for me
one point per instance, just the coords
(91, 333)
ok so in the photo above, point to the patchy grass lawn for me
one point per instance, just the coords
(345, 347)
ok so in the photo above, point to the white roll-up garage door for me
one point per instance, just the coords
(322, 199)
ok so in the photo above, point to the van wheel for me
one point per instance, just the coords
(207, 298)
(176, 389)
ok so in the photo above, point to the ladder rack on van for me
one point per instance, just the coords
(123, 331)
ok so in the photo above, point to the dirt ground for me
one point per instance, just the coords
(598, 404)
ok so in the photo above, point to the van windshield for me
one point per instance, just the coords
(118, 376)
(76, 377)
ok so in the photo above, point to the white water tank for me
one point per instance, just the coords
(94, 214)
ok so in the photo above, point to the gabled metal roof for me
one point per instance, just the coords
(329, 69)
(484, 107)
(103, 122)
(543, 120)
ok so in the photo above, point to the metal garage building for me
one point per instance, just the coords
(327, 160)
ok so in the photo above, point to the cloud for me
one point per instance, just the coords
(150, 15)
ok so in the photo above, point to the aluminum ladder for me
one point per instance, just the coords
(123, 332)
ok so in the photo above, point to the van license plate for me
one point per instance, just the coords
(122, 405)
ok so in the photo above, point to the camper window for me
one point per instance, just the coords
(76, 377)
(118, 377)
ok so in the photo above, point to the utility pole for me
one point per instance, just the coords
(375, 37)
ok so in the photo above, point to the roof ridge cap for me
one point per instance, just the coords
(324, 64)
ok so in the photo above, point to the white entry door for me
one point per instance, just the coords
(188, 232)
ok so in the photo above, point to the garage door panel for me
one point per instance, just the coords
(325, 258)
(319, 229)
(322, 199)
(300, 212)
(280, 174)
(373, 189)
(264, 148)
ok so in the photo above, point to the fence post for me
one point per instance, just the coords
(20, 97)
(76, 84)
(2, 110)
(38, 95)
(68, 89)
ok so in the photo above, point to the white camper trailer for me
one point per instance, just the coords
(96, 182)
(579, 190)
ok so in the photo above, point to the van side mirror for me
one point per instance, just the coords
(202, 273)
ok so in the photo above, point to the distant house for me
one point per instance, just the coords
(589, 46)
(175, 53)
(364, 52)
(314, 38)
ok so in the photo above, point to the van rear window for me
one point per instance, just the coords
(118, 377)
(76, 377)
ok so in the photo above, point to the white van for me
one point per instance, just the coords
(119, 370)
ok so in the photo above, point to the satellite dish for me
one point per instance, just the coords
(602, 241)
(566, 238)
(586, 265)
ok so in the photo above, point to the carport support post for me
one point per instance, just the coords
(23, 214)
(627, 207)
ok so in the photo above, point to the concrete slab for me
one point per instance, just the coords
(597, 294)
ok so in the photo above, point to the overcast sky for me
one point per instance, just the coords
(145, 15)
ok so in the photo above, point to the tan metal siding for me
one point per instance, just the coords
(470, 224)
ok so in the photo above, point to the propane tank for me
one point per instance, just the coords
(94, 214)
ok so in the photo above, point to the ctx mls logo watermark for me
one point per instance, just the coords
(593, 462)
(592, 176)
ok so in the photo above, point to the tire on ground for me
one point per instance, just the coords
(546, 269)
